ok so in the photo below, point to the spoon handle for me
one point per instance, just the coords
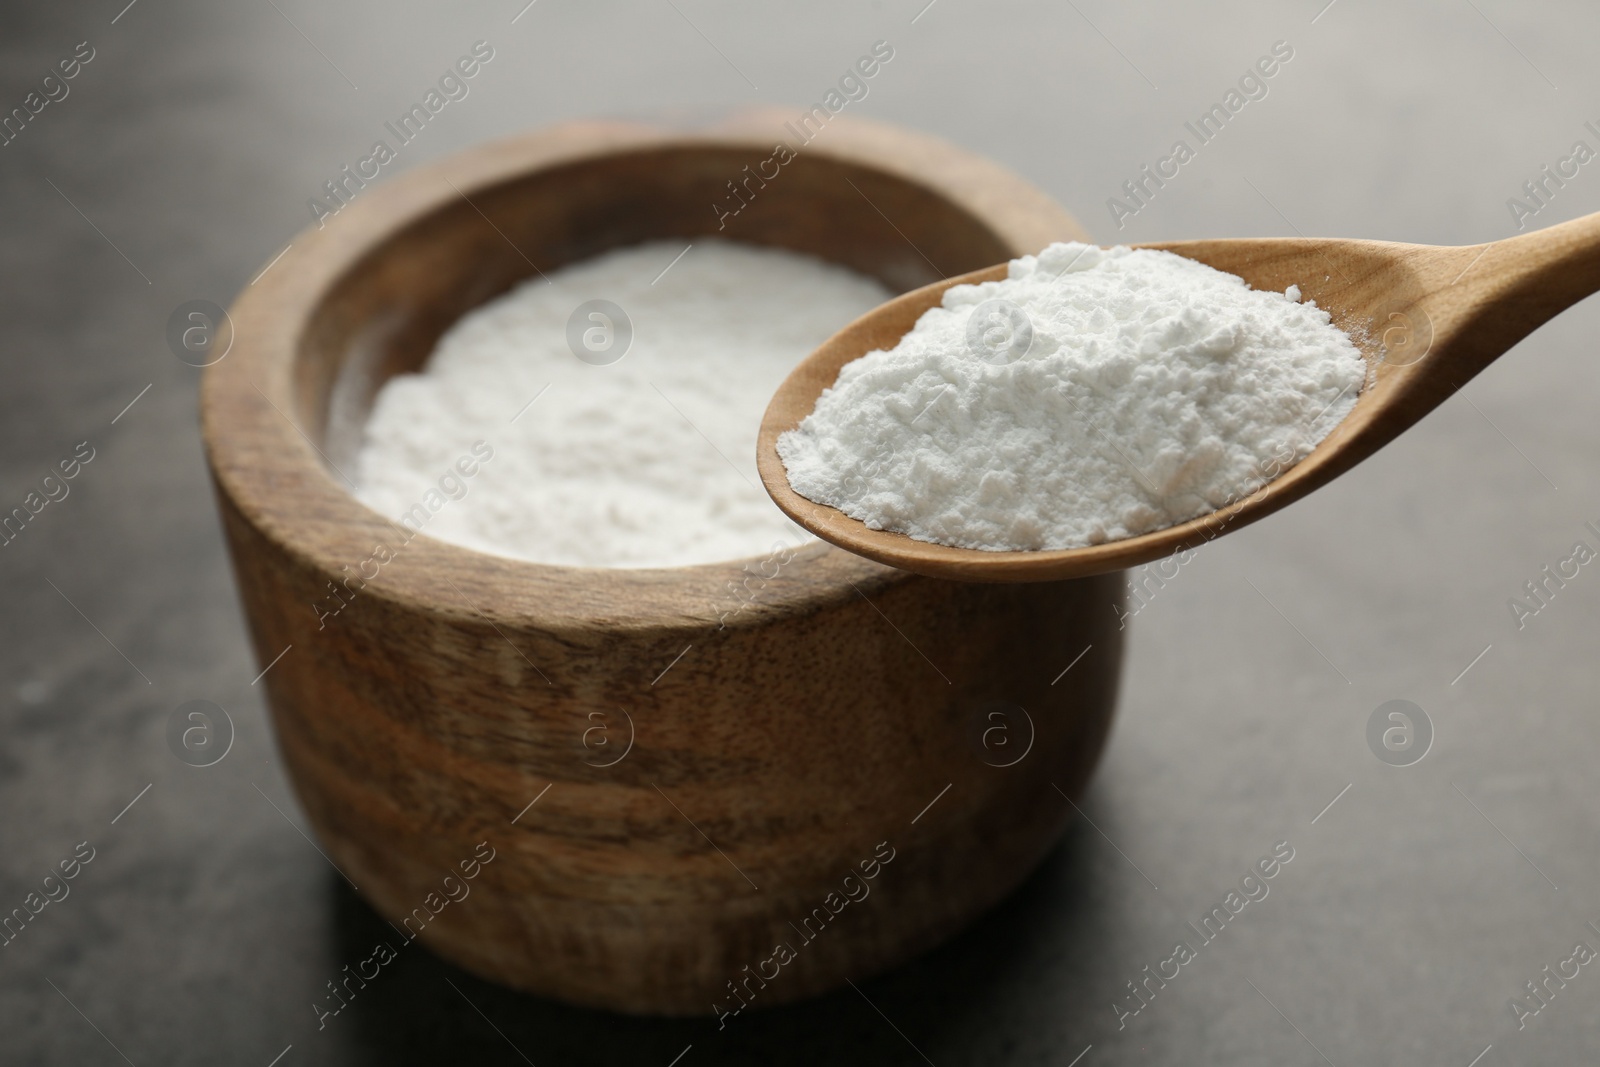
(1489, 297)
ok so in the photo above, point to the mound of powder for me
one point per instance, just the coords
(1111, 392)
(648, 461)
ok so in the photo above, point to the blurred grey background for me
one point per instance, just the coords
(1416, 906)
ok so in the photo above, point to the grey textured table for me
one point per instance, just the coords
(1416, 906)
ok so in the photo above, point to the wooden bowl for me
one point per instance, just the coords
(784, 722)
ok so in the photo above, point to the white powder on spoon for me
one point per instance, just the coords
(645, 462)
(1153, 390)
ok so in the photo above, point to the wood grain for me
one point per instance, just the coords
(1465, 306)
(773, 751)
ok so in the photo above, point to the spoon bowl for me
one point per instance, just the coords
(1425, 318)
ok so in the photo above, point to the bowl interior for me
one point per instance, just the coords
(384, 316)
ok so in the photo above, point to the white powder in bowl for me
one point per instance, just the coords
(1111, 392)
(644, 462)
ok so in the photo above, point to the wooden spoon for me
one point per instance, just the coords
(1425, 318)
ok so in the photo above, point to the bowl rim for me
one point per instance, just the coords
(277, 479)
